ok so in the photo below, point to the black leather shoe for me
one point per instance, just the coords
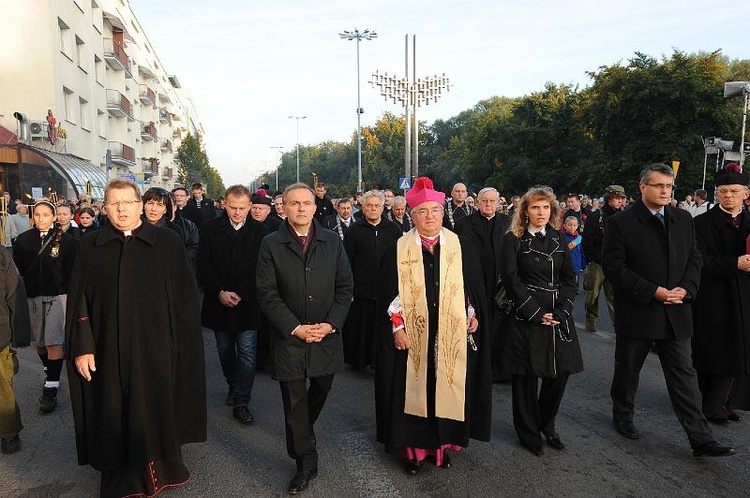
(301, 481)
(713, 449)
(10, 445)
(536, 450)
(626, 429)
(243, 415)
(555, 441)
(717, 420)
(446, 460)
(412, 467)
(733, 416)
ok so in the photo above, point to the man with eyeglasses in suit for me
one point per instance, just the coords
(651, 257)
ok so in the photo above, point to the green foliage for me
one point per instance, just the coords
(193, 166)
(632, 114)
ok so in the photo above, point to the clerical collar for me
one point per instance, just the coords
(375, 224)
(534, 230)
(488, 218)
(739, 211)
(129, 233)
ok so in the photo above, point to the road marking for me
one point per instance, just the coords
(366, 470)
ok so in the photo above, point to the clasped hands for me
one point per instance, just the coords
(743, 263)
(670, 296)
(313, 333)
(229, 299)
(550, 320)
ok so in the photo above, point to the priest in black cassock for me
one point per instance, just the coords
(433, 377)
(136, 350)
(365, 244)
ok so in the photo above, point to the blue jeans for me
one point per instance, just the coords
(237, 355)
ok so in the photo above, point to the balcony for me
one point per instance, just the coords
(118, 105)
(114, 54)
(166, 145)
(150, 166)
(122, 154)
(165, 98)
(166, 173)
(145, 72)
(148, 132)
(177, 133)
(146, 95)
(165, 116)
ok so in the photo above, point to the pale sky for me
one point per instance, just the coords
(250, 64)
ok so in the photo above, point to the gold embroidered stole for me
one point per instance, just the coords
(450, 387)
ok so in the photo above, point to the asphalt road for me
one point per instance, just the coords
(252, 461)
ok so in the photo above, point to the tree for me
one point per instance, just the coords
(193, 166)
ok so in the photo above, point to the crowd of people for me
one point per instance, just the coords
(441, 296)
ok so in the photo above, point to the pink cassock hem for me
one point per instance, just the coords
(420, 453)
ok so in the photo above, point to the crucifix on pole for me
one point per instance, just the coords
(411, 93)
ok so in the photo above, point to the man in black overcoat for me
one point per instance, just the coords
(304, 285)
(365, 244)
(135, 347)
(227, 259)
(484, 229)
(721, 345)
(652, 259)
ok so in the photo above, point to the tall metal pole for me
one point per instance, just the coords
(744, 122)
(359, 36)
(407, 111)
(277, 147)
(415, 161)
(359, 127)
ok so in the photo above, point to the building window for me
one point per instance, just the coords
(102, 119)
(83, 113)
(81, 57)
(70, 105)
(96, 16)
(66, 38)
(99, 69)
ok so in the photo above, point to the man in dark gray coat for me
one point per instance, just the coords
(651, 257)
(304, 285)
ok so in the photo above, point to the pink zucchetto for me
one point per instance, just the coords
(423, 191)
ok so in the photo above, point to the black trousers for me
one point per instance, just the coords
(682, 382)
(302, 406)
(534, 408)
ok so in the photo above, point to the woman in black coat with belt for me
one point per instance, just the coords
(541, 341)
(159, 210)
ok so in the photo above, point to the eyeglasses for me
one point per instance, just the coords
(436, 211)
(661, 186)
(123, 204)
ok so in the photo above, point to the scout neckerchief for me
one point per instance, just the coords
(450, 380)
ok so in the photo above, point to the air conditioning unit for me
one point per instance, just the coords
(38, 129)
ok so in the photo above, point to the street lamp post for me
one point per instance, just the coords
(411, 93)
(277, 147)
(357, 35)
(297, 118)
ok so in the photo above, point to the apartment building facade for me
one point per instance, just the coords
(92, 65)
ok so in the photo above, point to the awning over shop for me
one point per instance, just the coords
(78, 171)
